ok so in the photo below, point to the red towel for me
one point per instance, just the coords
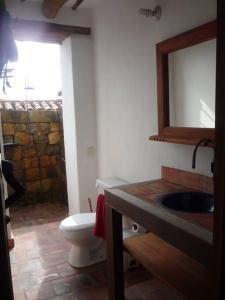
(100, 230)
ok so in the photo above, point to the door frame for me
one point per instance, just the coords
(6, 288)
(219, 179)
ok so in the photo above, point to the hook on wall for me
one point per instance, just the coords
(147, 12)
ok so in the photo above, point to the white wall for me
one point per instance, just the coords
(85, 115)
(69, 125)
(125, 65)
(79, 118)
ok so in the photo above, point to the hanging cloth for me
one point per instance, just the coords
(8, 49)
(100, 223)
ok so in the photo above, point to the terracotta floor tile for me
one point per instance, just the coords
(31, 295)
(26, 281)
(46, 275)
(147, 285)
(40, 292)
(150, 290)
(65, 297)
(29, 266)
(161, 294)
(66, 270)
(33, 253)
(62, 289)
(67, 284)
(13, 258)
(54, 259)
(99, 276)
(86, 280)
(14, 270)
(19, 296)
(40, 265)
(92, 294)
(135, 276)
(19, 231)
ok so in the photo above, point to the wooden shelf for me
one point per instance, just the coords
(176, 140)
(184, 275)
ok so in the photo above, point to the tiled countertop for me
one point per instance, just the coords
(189, 232)
(151, 190)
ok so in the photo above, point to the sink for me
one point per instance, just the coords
(193, 202)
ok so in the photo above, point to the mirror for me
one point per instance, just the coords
(186, 68)
(192, 77)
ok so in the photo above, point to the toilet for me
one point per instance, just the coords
(88, 249)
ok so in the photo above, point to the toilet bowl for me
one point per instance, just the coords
(86, 248)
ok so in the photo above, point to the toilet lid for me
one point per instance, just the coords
(78, 222)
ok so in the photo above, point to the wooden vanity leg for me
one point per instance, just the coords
(114, 254)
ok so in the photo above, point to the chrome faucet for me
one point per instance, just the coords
(203, 142)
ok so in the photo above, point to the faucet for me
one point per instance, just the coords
(203, 142)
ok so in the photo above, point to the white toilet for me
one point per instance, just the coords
(86, 248)
(78, 229)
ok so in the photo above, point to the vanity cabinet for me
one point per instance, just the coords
(179, 248)
(177, 270)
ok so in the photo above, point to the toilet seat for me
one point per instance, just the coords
(78, 222)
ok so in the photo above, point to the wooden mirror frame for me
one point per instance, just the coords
(181, 135)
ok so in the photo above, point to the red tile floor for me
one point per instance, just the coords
(40, 269)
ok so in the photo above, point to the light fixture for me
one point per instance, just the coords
(147, 12)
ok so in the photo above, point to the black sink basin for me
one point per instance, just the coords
(197, 202)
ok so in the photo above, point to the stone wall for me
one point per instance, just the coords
(34, 144)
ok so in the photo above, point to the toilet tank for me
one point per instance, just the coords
(107, 183)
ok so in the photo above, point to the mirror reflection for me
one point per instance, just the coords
(192, 73)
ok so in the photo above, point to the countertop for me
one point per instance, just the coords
(189, 232)
(149, 192)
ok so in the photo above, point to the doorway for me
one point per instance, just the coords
(32, 136)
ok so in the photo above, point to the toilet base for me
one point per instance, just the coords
(81, 257)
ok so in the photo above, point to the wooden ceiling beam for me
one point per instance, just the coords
(25, 30)
(77, 4)
(50, 8)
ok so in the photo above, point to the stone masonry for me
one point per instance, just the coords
(34, 144)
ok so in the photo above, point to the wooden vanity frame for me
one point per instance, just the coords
(177, 237)
(167, 133)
